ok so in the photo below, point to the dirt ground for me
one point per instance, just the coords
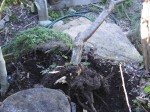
(98, 87)
(101, 78)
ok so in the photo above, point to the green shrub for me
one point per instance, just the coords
(27, 40)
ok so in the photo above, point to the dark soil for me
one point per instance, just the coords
(20, 20)
(98, 85)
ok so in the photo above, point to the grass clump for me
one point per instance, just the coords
(27, 40)
(121, 10)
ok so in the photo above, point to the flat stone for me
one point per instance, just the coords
(36, 100)
(108, 41)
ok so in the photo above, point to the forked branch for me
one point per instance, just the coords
(83, 37)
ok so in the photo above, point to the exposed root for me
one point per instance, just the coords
(80, 79)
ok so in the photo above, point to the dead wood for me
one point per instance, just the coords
(83, 37)
(145, 33)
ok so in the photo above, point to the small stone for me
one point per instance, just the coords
(71, 10)
(44, 23)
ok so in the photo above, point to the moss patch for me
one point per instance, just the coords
(27, 40)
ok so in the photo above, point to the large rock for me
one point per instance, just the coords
(36, 100)
(108, 41)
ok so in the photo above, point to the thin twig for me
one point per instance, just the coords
(28, 25)
(124, 88)
(96, 6)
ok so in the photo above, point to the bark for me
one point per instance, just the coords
(2, 7)
(83, 37)
(145, 33)
(3, 75)
(42, 9)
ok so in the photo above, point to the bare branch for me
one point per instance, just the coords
(81, 38)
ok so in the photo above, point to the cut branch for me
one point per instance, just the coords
(83, 37)
(3, 75)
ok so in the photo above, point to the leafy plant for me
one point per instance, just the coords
(135, 20)
(147, 88)
(121, 9)
(93, 9)
(13, 18)
(54, 14)
(86, 63)
(27, 40)
(52, 66)
(103, 2)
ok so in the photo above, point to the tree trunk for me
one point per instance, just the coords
(145, 33)
(3, 75)
(2, 7)
(83, 37)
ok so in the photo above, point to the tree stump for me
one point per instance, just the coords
(145, 33)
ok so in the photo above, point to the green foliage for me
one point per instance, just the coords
(94, 9)
(27, 40)
(9, 2)
(86, 63)
(103, 2)
(147, 88)
(54, 14)
(52, 66)
(13, 18)
(121, 9)
(6, 3)
(135, 20)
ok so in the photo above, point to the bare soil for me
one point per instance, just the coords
(98, 86)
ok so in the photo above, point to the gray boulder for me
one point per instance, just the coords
(108, 41)
(36, 100)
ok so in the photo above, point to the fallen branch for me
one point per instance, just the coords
(83, 37)
(124, 88)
